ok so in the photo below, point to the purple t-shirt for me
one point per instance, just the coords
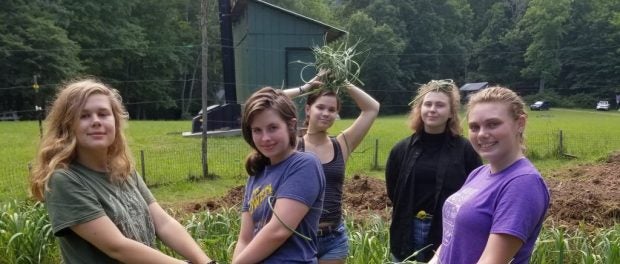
(513, 201)
(299, 177)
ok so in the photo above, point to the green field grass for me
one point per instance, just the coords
(171, 161)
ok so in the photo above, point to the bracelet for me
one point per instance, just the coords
(210, 262)
(300, 90)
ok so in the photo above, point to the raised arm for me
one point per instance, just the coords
(307, 87)
(274, 233)
(351, 137)
(174, 235)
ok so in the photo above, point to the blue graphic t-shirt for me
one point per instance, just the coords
(300, 178)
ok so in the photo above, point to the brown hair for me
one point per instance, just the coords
(261, 100)
(446, 87)
(58, 144)
(498, 94)
(315, 96)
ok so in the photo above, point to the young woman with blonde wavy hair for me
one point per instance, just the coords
(99, 207)
(425, 168)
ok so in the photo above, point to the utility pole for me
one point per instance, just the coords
(37, 108)
(205, 49)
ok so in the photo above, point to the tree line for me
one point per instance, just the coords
(151, 49)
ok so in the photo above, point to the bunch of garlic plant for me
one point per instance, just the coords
(339, 62)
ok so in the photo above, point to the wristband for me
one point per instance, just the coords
(300, 90)
(210, 262)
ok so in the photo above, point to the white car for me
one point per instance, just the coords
(602, 106)
(9, 116)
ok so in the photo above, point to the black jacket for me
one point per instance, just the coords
(456, 160)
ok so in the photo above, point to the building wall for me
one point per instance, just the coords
(262, 35)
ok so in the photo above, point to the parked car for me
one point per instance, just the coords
(540, 105)
(602, 106)
(9, 116)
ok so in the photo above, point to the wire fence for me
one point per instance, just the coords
(165, 164)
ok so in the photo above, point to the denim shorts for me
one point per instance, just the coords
(334, 245)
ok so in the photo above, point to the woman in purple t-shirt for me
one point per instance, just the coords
(498, 213)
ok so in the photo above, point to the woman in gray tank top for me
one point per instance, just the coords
(322, 107)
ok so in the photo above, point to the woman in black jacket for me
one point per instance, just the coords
(424, 169)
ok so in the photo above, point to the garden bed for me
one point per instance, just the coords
(587, 194)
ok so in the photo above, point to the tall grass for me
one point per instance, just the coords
(26, 237)
(26, 234)
(578, 246)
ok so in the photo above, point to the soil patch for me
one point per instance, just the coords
(587, 194)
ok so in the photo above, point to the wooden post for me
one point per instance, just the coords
(376, 154)
(143, 165)
(205, 51)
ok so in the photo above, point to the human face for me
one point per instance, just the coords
(270, 134)
(435, 111)
(96, 128)
(322, 113)
(495, 134)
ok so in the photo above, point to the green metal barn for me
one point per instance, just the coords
(267, 39)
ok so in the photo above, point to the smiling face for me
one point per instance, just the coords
(270, 134)
(96, 129)
(495, 133)
(322, 113)
(435, 111)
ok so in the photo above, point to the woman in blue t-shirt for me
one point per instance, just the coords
(284, 194)
(498, 213)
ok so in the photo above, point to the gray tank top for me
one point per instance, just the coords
(334, 180)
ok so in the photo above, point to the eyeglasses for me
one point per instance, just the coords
(444, 85)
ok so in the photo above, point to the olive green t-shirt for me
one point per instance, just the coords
(79, 195)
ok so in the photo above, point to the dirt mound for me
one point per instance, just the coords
(364, 196)
(234, 197)
(588, 194)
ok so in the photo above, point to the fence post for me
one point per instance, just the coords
(376, 154)
(142, 165)
(561, 146)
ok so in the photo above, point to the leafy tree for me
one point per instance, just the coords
(439, 40)
(497, 56)
(31, 43)
(315, 9)
(590, 56)
(380, 71)
(146, 49)
(456, 39)
(545, 22)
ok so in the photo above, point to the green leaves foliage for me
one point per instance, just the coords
(150, 49)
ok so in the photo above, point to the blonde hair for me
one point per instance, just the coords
(264, 99)
(446, 87)
(498, 94)
(58, 145)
